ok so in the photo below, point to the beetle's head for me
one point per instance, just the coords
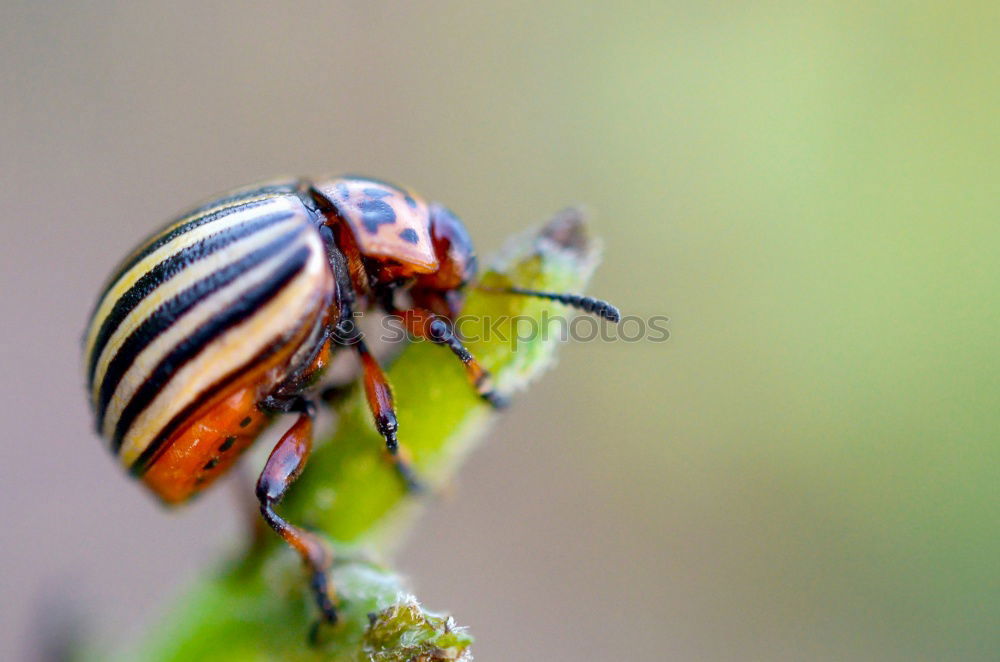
(456, 258)
(454, 250)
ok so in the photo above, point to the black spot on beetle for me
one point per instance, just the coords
(342, 191)
(375, 213)
(410, 235)
(377, 193)
(245, 422)
(227, 444)
(410, 201)
(211, 464)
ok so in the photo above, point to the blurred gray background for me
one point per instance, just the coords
(807, 470)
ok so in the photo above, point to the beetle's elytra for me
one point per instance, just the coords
(221, 319)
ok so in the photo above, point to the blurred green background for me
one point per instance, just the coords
(808, 469)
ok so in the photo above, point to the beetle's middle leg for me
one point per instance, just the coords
(379, 395)
(282, 468)
(344, 331)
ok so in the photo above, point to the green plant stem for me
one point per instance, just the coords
(257, 607)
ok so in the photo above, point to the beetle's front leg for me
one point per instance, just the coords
(425, 324)
(282, 468)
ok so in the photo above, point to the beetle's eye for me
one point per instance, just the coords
(471, 268)
(453, 245)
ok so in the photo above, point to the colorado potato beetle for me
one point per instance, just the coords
(226, 316)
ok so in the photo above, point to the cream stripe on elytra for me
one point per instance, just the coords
(152, 354)
(126, 280)
(187, 277)
(283, 315)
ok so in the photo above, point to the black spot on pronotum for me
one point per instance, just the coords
(211, 464)
(376, 193)
(227, 444)
(245, 422)
(375, 213)
(410, 235)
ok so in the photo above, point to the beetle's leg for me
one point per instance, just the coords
(282, 468)
(425, 324)
(345, 332)
(379, 395)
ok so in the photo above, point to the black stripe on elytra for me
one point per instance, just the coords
(166, 270)
(170, 311)
(198, 218)
(284, 188)
(156, 447)
(188, 348)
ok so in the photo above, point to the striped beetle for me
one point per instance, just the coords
(223, 318)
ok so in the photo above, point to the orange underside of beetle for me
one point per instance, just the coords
(209, 446)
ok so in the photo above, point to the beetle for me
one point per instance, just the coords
(227, 316)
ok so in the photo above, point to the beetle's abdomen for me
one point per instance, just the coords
(204, 450)
(191, 312)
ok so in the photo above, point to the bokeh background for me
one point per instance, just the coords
(807, 470)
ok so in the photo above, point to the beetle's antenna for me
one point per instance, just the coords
(598, 307)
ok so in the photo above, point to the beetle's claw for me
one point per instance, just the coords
(496, 400)
(411, 482)
(328, 618)
(317, 627)
(320, 588)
